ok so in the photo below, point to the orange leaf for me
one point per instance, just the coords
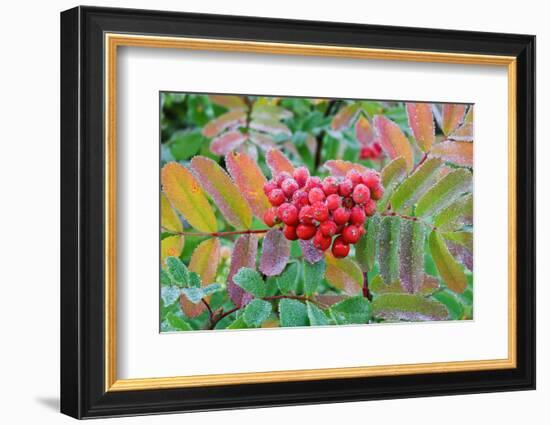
(339, 167)
(249, 179)
(223, 191)
(344, 274)
(226, 142)
(465, 132)
(228, 120)
(460, 153)
(421, 122)
(169, 219)
(186, 195)
(364, 132)
(345, 116)
(278, 162)
(452, 116)
(205, 260)
(392, 140)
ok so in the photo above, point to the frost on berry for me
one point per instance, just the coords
(306, 231)
(361, 193)
(289, 186)
(288, 214)
(316, 194)
(340, 248)
(301, 175)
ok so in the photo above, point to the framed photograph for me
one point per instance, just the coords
(261, 212)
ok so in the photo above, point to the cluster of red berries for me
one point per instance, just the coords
(372, 151)
(311, 208)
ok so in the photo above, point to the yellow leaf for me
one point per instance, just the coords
(171, 247)
(186, 195)
(344, 274)
(205, 260)
(169, 219)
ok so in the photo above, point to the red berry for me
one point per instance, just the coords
(358, 215)
(321, 241)
(316, 195)
(281, 177)
(312, 182)
(365, 153)
(377, 192)
(306, 231)
(376, 148)
(345, 187)
(288, 214)
(290, 233)
(301, 175)
(333, 201)
(351, 234)
(330, 185)
(370, 179)
(348, 203)
(306, 215)
(340, 249)
(341, 215)
(269, 186)
(328, 228)
(270, 217)
(289, 186)
(361, 194)
(300, 198)
(354, 176)
(320, 212)
(276, 197)
(370, 207)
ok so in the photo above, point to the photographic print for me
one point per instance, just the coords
(291, 211)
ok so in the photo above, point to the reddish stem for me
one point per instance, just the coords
(218, 234)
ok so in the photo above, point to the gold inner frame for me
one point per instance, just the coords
(113, 41)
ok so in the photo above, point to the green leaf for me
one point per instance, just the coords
(465, 239)
(366, 248)
(194, 280)
(388, 252)
(313, 274)
(165, 278)
(408, 307)
(178, 323)
(411, 264)
(238, 323)
(392, 174)
(456, 215)
(451, 301)
(354, 310)
(256, 312)
(251, 281)
(287, 280)
(178, 271)
(411, 188)
(449, 269)
(183, 145)
(316, 316)
(292, 313)
(443, 192)
(196, 294)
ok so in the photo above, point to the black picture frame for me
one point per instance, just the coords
(83, 392)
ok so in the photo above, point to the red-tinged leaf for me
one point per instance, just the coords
(223, 122)
(270, 126)
(408, 307)
(339, 167)
(311, 254)
(263, 141)
(459, 153)
(329, 300)
(451, 115)
(461, 253)
(171, 247)
(449, 269)
(190, 309)
(186, 195)
(243, 255)
(205, 260)
(227, 101)
(344, 274)
(223, 191)
(250, 180)
(392, 140)
(421, 122)
(270, 112)
(465, 132)
(345, 116)
(275, 253)
(227, 142)
(278, 162)
(456, 215)
(364, 133)
(169, 219)
(411, 264)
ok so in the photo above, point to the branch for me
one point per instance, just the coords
(366, 292)
(321, 135)
(407, 217)
(217, 234)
